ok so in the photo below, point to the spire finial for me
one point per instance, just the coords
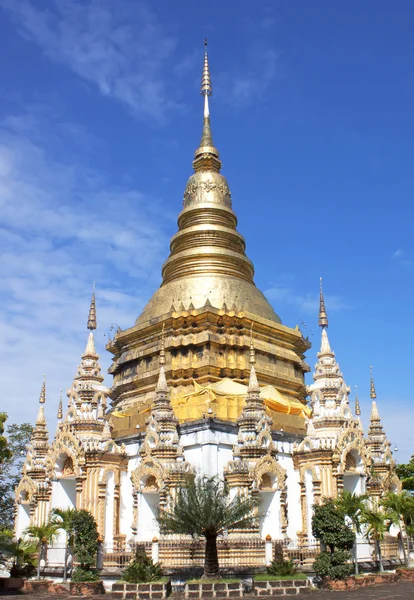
(162, 346)
(252, 358)
(92, 312)
(206, 89)
(42, 398)
(373, 393)
(60, 408)
(323, 316)
(206, 156)
(357, 406)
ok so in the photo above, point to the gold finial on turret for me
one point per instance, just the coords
(323, 316)
(373, 393)
(42, 398)
(206, 87)
(60, 407)
(252, 358)
(92, 312)
(162, 346)
(206, 157)
(357, 406)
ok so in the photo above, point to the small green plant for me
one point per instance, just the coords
(81, 574)
(333, 564)
(141, 569)
(282, 567)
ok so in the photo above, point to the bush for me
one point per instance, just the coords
(85, 539)
(83, 575)
(333, 564)
(141, 569)
(328, 526)
(282, 567)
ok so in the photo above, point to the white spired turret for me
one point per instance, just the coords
(329, 392)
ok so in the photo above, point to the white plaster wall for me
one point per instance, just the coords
(23, 519)
(208, 451)
(293, 494)
(126, 505)
(109, 510)
(309, 500)
(270, 508)
(147, 512)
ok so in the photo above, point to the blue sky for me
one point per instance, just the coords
(100, 114)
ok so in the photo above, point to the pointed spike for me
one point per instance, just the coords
(252, 358)
(325, 345)
(90, 349)
(323, 316)
(92, 324)
(162, 381)
(253, 383)
(357, 406)
(42, 398)
(162, 346)
(60, 408)
(373, 393)
(374, 412)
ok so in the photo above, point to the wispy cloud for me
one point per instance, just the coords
(62, 227)
(121, 47)
(308, 303)
(251, 79)
(400, 257)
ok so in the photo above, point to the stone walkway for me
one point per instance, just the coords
(396, 591)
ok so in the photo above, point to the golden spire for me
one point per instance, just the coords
(41, 419)
(42, 398)
(374, 412)
(357, 406)
(252, 359)
(373, 393)
(92, 312)
(60, 408)
(323, 316)
(162, 346)
(206, 157)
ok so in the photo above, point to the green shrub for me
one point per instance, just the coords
(85, 539)
(333, 564)
(141, 569)
(81, 574)
(282, 567)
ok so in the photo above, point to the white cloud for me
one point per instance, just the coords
(62, 226)
(121, 47)
(400, 257)
(308, 303)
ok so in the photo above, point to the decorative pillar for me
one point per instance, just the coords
(268, 550)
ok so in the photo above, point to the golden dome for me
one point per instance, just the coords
(207, 259)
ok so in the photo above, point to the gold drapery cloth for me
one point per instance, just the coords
(226, 398)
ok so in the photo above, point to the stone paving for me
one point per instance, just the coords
(395, 591)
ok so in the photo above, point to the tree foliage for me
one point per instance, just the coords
(42, 536)
(5, 452)
(406, 473)
(353, 505)
(85, 545)
(203, 507)
(328, 526)
(18, 436)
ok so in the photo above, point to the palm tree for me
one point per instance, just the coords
(352, 505)
(42, 535)
(376, 528)
(400, 511)
(22, 552)
(63, 517)
(203, 507)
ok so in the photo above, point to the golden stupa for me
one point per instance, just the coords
(205, 308)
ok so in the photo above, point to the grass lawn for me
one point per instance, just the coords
(267, 577)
